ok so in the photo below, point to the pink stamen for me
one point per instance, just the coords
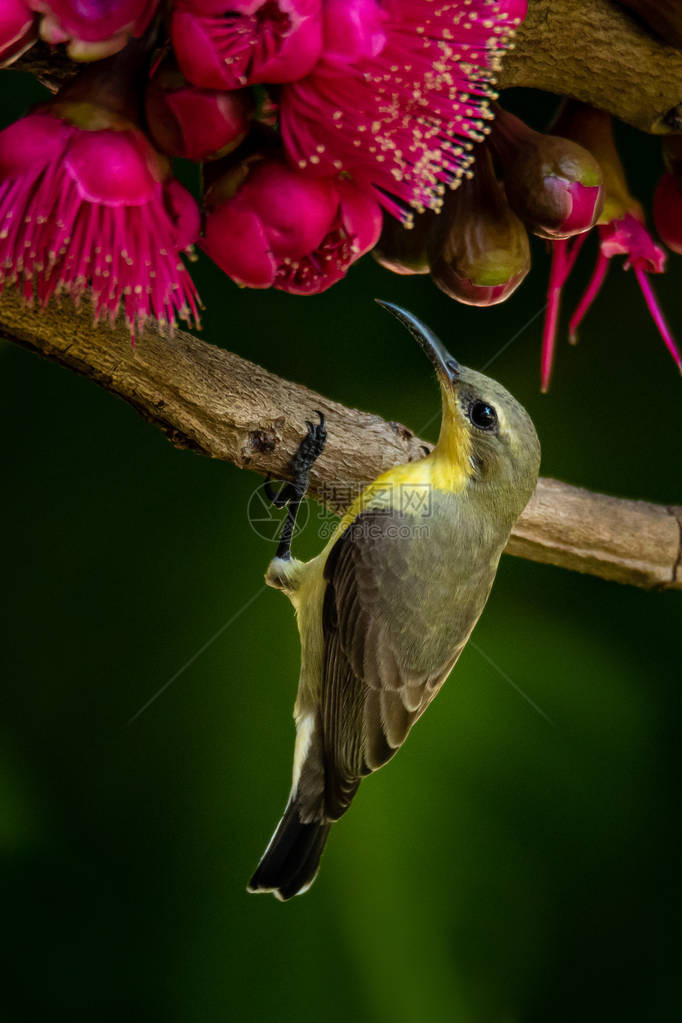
(600, 271)
(575, 244)
(401, 119)
(54, 242)
(560, 268)
(657, 314)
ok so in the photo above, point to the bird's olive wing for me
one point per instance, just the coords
(377, 676)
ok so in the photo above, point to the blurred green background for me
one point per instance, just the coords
(503, 869)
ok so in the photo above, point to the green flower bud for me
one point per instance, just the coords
(478, 250)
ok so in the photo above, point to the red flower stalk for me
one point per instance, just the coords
(399, 95)
(552, 183)
(87, 205)
(621, 233)
(478, 248)
(276, 228)
(93, 29)
(197, 124)
(18, 30)
(226, 44)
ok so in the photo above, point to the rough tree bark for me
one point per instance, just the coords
(593, 50)
(600, 53)
(218, 404)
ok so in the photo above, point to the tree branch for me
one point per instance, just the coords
(220, 405)
(598, 52)
(593, 50)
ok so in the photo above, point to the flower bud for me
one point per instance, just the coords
(18, 30)
(269, 226)
(593, 129)
(621, 229)
(552, 183)
(403, 249)
(479, 251)
(662, 16)
(197, 124)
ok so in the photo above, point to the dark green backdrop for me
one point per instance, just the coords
(503, 869)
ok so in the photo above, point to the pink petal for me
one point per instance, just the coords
(109, 168)
(296, 212)
(209, 122)
(628, 237)
(353, 29)
(299, 48)
(361, 215)
(195, 53)
(184, 213)
(584, 208)
(17, 28)
(236, 240)
(31, 143)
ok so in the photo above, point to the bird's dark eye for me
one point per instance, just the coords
(483, 416)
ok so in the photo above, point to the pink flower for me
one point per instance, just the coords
(18, 30)
(93, 29)
(399, 95)
(282, 230)
(626, 236)
(197, 124)
(225, 44)
(94, 210)
(621, 233)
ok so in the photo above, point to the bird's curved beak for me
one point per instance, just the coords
(447, 367)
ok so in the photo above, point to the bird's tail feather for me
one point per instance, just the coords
(290, 863)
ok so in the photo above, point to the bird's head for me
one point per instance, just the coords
(487, 439)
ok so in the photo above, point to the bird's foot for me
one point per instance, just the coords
(309, 450)
(291, 494)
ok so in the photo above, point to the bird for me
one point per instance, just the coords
(386, 608)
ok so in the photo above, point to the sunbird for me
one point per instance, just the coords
(385, 610)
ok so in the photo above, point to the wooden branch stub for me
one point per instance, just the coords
(597, 52)
(628, 541)
(221, 405)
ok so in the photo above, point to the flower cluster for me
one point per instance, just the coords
(326, 129)
(313, 119)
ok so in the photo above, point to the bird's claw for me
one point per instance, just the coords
(311, 446)
(308, 451)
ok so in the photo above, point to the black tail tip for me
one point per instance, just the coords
(291, 861)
